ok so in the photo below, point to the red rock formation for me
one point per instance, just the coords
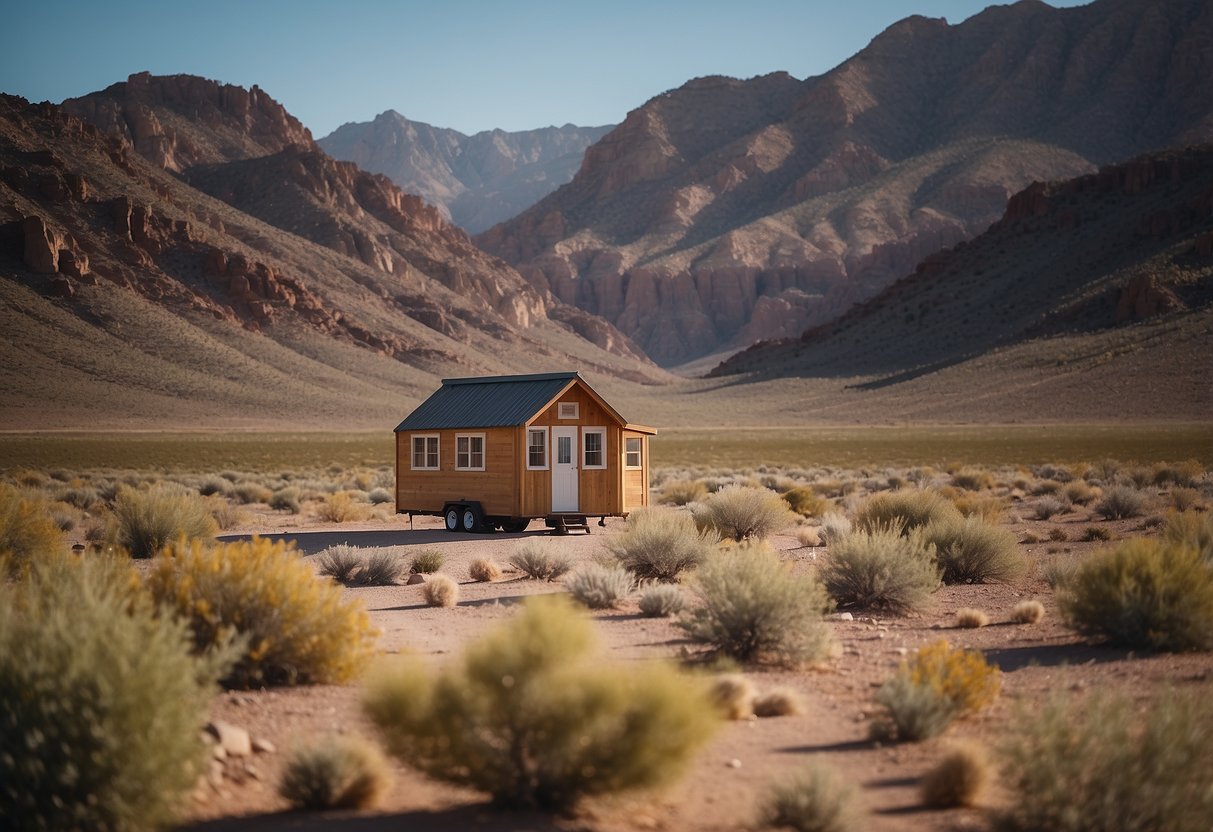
(1144, 298)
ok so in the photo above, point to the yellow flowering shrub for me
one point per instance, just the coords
(960, 675)
(294, 627)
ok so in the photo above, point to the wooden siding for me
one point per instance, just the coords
(635, 480)
(495, 487)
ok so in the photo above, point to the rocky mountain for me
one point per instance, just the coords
(477, 181)
(1106, 280)
(129, 294)
(730, 210)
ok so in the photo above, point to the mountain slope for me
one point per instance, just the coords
(128, 297)
(728, 210)
(1111, 272)
(478, 180)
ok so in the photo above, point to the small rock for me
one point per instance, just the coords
(734, 763)
(261, 746)
(415, 578)
(845, 616)
(234, 739)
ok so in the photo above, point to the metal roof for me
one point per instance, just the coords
(486, 402)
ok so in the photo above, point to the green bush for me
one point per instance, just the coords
(534, 717)
(600, 587)
(816, 800)
(27, 532)
(741, 513)
(906, 510)
(1103, 762)
(661, 601)
(881, 569)
(971, 551)
(101, 702)
(295, 628)
(147, 521)
(427, 562)
(537, 559)
(658, 544)
(1143, 593)
(754, 608)
(334, 773)
(1121, 501)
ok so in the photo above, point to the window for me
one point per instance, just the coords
(537, 448)
(632, 451)
(567, 410)
(594, 440)
(425, 453)
(469, 452)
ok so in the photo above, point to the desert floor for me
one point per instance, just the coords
(726, 783)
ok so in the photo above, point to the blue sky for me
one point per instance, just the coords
(467, 64)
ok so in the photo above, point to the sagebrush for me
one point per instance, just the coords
(742, 513)
(815, 800)
(600, 587)
(660, 543)
(539, 560)
(906, 510)
(881, 569)
(147, 521)
(334, 773)
(971, 551)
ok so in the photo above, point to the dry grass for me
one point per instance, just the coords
(779, 701)
(960, 778)
(484, 570)
(440, 590)
(1027, 612)
(733, 694)
(334, 773)
(969, 618)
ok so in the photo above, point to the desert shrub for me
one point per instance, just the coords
(251, 492)
(1183, 473)
(834, 525)
(683, 492)
(211, 486)
(1121, 501)
(971, 551)
(1030, 537)
(1058, 535)
(808, 536)
(1092, 534)
(989, 509)
(484, 570)
(1142, 593)
(341, 507)
(100, 702)
(907, 510)
(600, 587)
(658, 544)
(225, 515)
(733, 695)
(1105, 470)
(1191, 529)
(753, 608)
(1046, 487)
(1027, 612)
(1079, 491)
(778, 702)
(806, 502)
(1104, 763)
(295, 628)
(286, 499)
(973, 479)
(969, 618)
(147, 521)
(1183, 499)
(63, 518)
(341, 563)
(565, 726)
(1046, 508)
(741, 513)
(881, 569)
(379, 496)
(538, 560)
(440, 590)
(83, 498)
(426, 562)
(959, 779)
(334, 773)
(27, 531)
(661, 601)
(381, 569)
(929, 691)
(816, 800)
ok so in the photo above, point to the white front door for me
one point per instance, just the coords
(564, 469)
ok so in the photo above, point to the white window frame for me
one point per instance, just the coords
(568, 410)
(585, 434)
(639, 453)
(426, 452)
(526, 450)
(470, 452)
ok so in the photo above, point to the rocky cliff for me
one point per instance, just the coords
(728, 210)
(478, 180)
(1074, 260)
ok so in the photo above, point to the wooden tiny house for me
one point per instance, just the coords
(499, 451)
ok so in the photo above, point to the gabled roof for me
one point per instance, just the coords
(488, 401)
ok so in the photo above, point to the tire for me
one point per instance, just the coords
(515, 526)
(469, 520)
(452, 518)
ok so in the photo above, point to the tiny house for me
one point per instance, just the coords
(500, 451)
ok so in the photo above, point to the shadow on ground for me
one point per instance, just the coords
(481, 818)
(309, 543)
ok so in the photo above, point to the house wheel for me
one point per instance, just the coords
(515, 526)
(452, 518)
(469, 520)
